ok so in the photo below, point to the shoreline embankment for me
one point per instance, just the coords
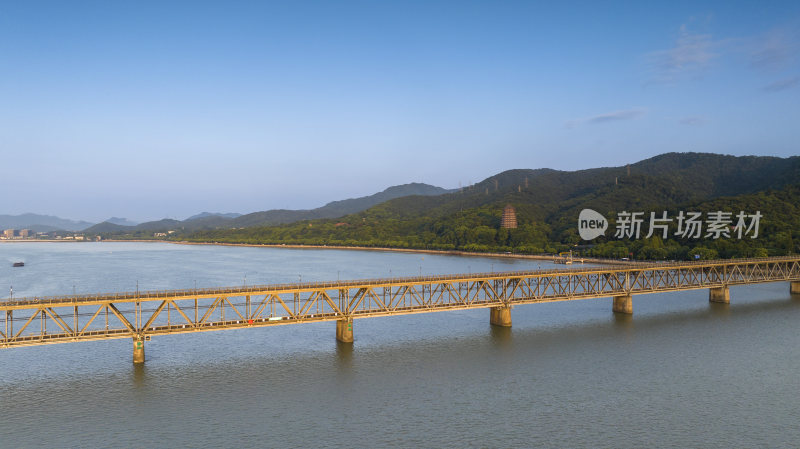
(543, 257)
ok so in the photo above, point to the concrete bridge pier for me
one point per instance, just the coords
(623, 304)
(794, 287)
(720, 295)
(344, 330)
(138, 349)
(500, 316)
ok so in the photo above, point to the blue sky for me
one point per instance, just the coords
(148, 110)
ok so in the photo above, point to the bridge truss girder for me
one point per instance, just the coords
(35, 321)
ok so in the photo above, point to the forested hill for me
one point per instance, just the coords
(547, 203)
(337, 208)
(270, 217)
(678, 177)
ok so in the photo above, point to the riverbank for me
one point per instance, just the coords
(545, 257)
(43, 240)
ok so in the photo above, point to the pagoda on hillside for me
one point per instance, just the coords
(509, 220)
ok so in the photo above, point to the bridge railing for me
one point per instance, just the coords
(316, 285)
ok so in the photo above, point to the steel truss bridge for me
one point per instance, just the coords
(141, 315)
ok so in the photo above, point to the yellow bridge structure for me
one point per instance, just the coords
(142, 315)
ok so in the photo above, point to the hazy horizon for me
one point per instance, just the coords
(181, 218)
(153, 110)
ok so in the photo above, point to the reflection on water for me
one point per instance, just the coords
(721, 310)
(344, 357)
(623, 321)
(501, 336)
(139, 372)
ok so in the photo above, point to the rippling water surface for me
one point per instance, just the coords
(681, 372)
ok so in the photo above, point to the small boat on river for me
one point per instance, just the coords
(19, 264)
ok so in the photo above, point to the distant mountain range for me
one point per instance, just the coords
(121, 221)
(556, 197)
(336, 209)
(209, 220)
(548, 202)
(41, 223)
(664, 180)
(550, 198)
(211, 214)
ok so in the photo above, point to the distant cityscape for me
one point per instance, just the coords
(27, 234)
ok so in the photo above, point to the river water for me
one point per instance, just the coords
(680, 372)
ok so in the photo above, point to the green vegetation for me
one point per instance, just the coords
(269, 217)
(548, 202)
(478, 229)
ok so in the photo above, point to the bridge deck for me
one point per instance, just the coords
(58, 319)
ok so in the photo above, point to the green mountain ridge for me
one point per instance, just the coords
(333, 209)
(548, 202)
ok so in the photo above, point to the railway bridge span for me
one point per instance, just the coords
(143, 315)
